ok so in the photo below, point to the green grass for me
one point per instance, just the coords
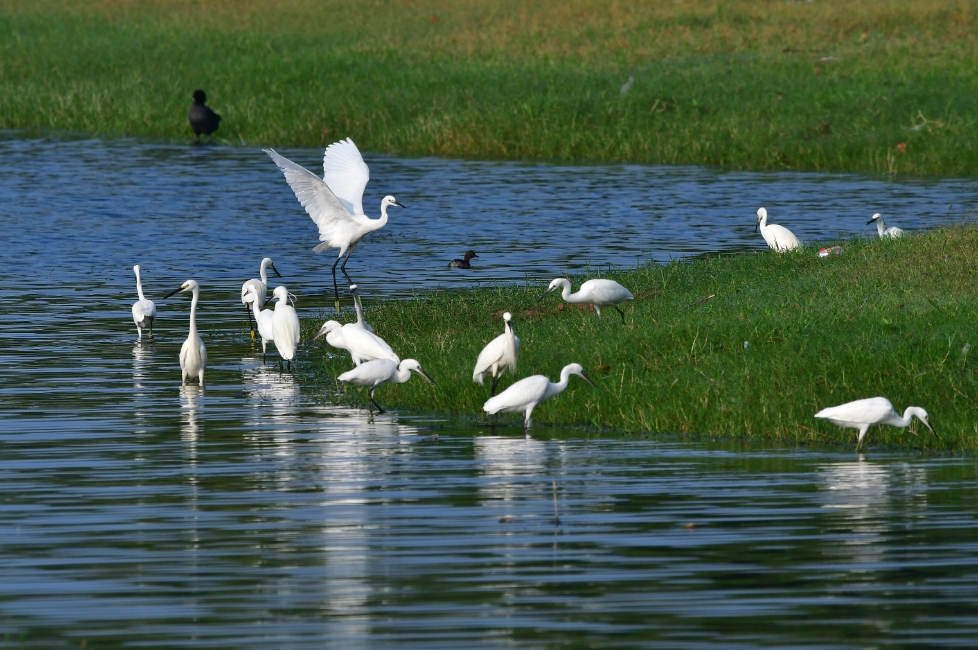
(889, 318)
(887, 88)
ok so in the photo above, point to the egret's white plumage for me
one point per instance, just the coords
(501, 353)
(143, 310)
(777, 237)
(263, 319)
(359, 309)
(372, 374)
(364, 345)
(334, 334)
(864, 413)
(525, 394)
(260, 287)
(285, 325)
(335, 202)
(600, 293)
(193, 354)
(885, 233)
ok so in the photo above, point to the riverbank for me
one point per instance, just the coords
(885, 88)
(736, 346)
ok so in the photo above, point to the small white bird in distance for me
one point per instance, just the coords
(525, 394)
(193, 354)
(600, 293)
(143, 310)
(885, 233)
(285, 326)
(500, 354)
(864, 413)
(260, 286)
(335, 202)
(372, 374)
(777, 237)
(263, 319)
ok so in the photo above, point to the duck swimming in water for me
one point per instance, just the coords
(463, 263)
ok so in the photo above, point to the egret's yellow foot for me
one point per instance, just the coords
(253, 337)
(337, 304)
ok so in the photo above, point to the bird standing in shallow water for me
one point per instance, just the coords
(202, 119)
(193, 354)
(285, 326)
(864, 413)
(462, 263)
(777, 237)
(263, 319)
(383, 371)
(524, 395)
(143, 310)
(599, 293)
(260, 287)
(885, 233)
(501, 353)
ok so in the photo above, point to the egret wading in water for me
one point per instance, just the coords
(143, 310)
(864, 413)
(464, 262)
(524, 395)
(335, 202)
(777, 237)
(193, 354)
(260, 286)
(885, 233)
(500, 354)
(263, 319)
(372, 374)
(599, 293)
(285, 326)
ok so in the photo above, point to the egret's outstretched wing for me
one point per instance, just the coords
(346, 174)
(314, 195)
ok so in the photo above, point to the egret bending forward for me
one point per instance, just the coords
(600, 293)
(525, 394)
(260, 287)
(143, 310)
(193, 354)
(383, 371)
(362, 345)
(864, 413)
(285, 326)
(777, 237)
(501, 353)
(263, 319)
(885, 233)
(335, 203)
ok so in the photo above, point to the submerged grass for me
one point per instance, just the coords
(780, 338)
(887, 87)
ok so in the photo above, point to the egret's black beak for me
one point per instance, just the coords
(932, 430)
(871, 221)
(275, 269)
(545, 294)
(399, 204)
(585, 378)
(425, 375)
(757, 226)
(173, 292)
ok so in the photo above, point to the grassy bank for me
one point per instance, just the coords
(886, 87)
(891, 318)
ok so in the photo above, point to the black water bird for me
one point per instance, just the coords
(463, 263)
(202, 118)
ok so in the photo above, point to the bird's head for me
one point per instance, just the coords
(200, 97)
(268, 264)
(412, 364)
(328, 326)
(135, 269)
(389, 200)
(761, 216)
(578, 369)
(469, 255)
(189, 285)
(507, 317)
(250, 295)
(874, 219)
(557, 282)
(923, 417)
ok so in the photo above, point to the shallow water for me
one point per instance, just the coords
(136, 512)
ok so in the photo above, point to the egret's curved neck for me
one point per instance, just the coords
(908, 415)
(358, 307)
(566, 292)
(403, 374)
(376, 224)
(254, 308)
(880, 226)
(762, 223)
(263, 274)
(139, 287)
(193, 313)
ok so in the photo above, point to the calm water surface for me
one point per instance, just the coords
(136, 513)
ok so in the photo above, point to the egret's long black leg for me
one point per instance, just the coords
(621, 313)
(251, 324)
(336, 290)
(495, 381)
(379, 409)
(343, 267)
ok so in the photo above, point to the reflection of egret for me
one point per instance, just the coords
(285, 326)
(263, 318)
(885, 233)
(524, 395)
(193, 354)
(188, 416)
(777, 237)
(499, 355)
(857, 492)
(372, 374)
(259, 286)
(864, 413)
(598, 293)
(143, 310)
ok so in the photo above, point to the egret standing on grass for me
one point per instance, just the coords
(361, 322)
(193, 354)
(777, 237)
(864, 413)
(885, 233)
(260, 287)
(600, 293)
(263, 319)
(525, 394)
(143, 310)
(285, 326)
(383, 371)
(335, 203)
(501, 353)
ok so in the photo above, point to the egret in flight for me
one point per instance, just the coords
(501, 353)
(600, 293)
(260, 286)
(193, 354)
(864, 413)
(525, 394)
(285, 326)
(335, 202)
(143, 310)
(885, 233)
(777, 237)
(263, 319)
(383, 371)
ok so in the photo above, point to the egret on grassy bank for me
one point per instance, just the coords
(382, 371)
(525, 394)
(600, 293)
(260, 286)
(193, 354)
(501, 353)
(885, 233)
(143, 310)
(464, 262)
(777, 237)
(202, 118)
(864, 413)
(365, 346)
(335, 203)
(285, 326)
(359, 309)
(263, 319)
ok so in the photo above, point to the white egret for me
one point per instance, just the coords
(260, 286)
(263, 319)
(364, 345)
(864, 413)
(359, 309)
(335, 203)
(599, 293)
(885, 233)
(525, 394)
(501, 353)
(193, 354)
(143, 310)
(382, 371)
(334, 334)
(777, 237)
(285, 326)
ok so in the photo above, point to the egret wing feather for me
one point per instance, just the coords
(346, 174)
(518, 397)
(366, 345)
(327, 211)
(859, 412)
